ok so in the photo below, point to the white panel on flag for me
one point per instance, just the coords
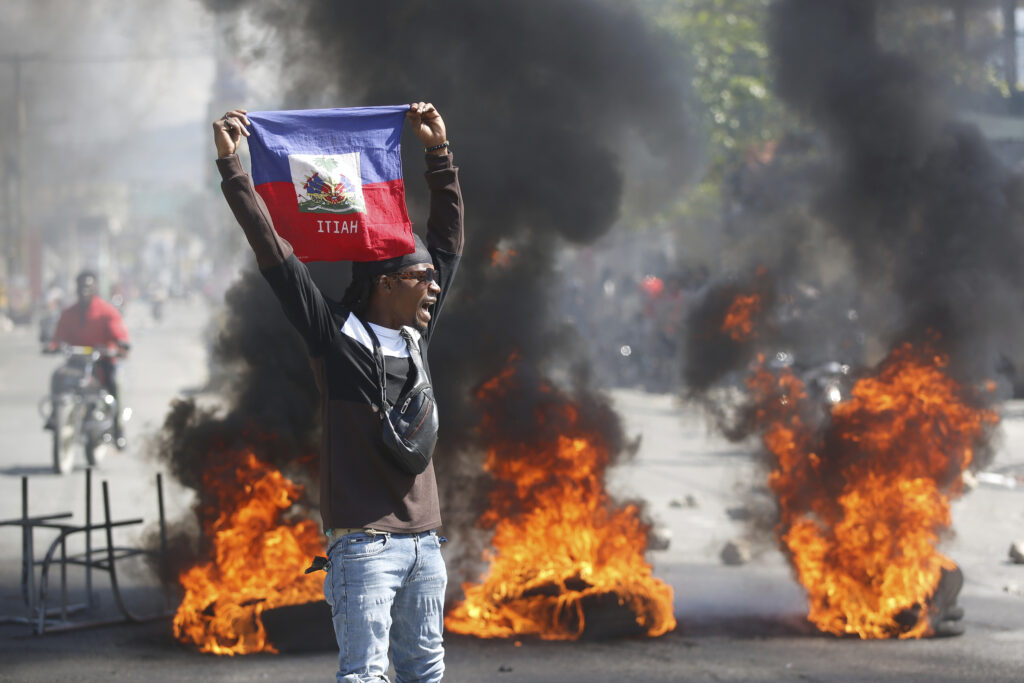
(327, 183)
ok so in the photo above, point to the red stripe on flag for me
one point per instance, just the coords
(382, 232)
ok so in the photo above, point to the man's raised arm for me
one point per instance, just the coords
(248, 207)
(444, 225)
(300, 298)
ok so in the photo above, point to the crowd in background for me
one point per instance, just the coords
(630, 308)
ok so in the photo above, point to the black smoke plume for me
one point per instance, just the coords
(883, 222)
(720, 351)
(542, 101)
(917, 214)
(906, 235)
(268, 406)
(924, 205)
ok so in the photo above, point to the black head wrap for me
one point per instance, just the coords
(365, 270)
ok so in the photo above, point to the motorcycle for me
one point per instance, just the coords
(82, 411)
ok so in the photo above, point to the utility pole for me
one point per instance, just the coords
(1010, 43)
(14, 243)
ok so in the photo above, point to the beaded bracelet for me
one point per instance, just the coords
(436, 147)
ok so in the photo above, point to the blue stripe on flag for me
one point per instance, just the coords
(374, 132)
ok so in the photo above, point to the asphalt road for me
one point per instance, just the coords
(168, 360)
(736, 623)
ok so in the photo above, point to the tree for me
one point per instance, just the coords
(958, 43)
(731, 71)
(731, 74)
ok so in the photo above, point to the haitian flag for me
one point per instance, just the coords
(332, 181)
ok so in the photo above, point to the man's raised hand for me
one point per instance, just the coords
(228, 131)
(428, 125)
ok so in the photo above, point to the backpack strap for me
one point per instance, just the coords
(382, 378)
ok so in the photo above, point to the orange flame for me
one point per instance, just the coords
(503, 256)
(559, 540)
(739, 319)
(258, 562)
(862, 507)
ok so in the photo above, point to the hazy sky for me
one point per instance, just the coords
(98, 76)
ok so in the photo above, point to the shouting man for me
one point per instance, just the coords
(385, 575)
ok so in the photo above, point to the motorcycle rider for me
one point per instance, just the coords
(91, 321)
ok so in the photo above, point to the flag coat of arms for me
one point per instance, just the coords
(332, 181)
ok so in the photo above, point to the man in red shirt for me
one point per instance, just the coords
(94, 322)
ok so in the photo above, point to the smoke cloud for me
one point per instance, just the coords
(923, 203)
(887, 231)
(541, 101)
(905, 221)
(269, 407)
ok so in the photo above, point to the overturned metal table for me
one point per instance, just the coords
(45, 619)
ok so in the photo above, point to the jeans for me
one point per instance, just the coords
(381, 585)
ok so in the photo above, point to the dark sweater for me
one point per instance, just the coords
(359, 486)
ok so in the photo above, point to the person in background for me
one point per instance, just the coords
(91, 321)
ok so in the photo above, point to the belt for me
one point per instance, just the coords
(336, 533)
(322, 563)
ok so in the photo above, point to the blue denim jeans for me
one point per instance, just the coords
(381, 585)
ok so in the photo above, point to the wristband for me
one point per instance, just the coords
(443, 145)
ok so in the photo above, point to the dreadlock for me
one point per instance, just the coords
(357, 297)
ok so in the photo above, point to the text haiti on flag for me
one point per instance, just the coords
(332, 181)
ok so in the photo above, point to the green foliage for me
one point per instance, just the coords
(730, 69)
(731, 72)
